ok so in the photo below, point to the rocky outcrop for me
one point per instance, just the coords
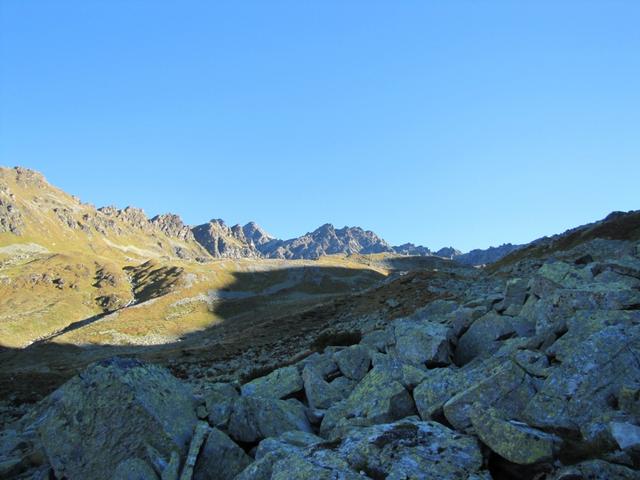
(11, 220)
(172, 226)
(222, 241)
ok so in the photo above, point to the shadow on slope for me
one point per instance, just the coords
(258, 309)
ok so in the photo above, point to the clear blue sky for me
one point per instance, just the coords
(465, 123)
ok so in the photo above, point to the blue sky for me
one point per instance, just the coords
(458, 123)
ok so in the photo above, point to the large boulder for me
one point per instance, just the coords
(255, 418)
(278, 384)
(508, 387)
(514, 441)
(421, 343)
(295, 455)
(320, 393)
(440, 385)
(353, 361)
(111, 413)
(582, 387)
(378, 398)
(486, 334)
(410, 448)
(219, 399)
(220, 458)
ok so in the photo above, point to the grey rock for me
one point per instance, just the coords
(421, 343)
(255, 418)
(411, 449)
(353, 361)
(219, 400)
(626, 435)
(109, 413)
(579, 389)
(220, 458)
(378, 398)
(486, 334)
(508, 388)
(514, 441)
(320, 393)
(278, 384)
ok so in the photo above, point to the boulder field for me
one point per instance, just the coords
(537, 378)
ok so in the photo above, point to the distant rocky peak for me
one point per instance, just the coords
(172, 226)
(256, 234)
(448, 252)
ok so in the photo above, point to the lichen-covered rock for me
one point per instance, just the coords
(596, 470)
(287, 441)
(219, 399)
(581, 388)
(378, 398)
(110, 413)
(220, 458)
(439, 386)
(411, 449)
(486, 333)
(408, 375)
(514, 441)
(278, 384)
(255, 418)
(421, 343)
(320, 393)
(353, 361)
(134, 469)
(507, 388)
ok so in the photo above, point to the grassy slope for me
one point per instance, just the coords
(53, 276)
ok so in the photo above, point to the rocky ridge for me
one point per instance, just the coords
(528, 371)
(28, 202)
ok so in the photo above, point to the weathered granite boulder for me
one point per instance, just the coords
(421, 343)
(110, 413)
(514, 441)
(508, 388)
(353, 361)
(486, 334)
(220, 458)
(378, 398)
(581, 388)
(286, 458)
(411, 448)
(278, 384)
(320, 393)
(287, 441)
(255, 418)
(219, 399)
(440, 385)
(408, 375)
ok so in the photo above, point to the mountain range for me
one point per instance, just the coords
(36, 203)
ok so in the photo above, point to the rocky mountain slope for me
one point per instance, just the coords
(527, 370)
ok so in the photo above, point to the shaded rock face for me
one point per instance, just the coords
(117, 406)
